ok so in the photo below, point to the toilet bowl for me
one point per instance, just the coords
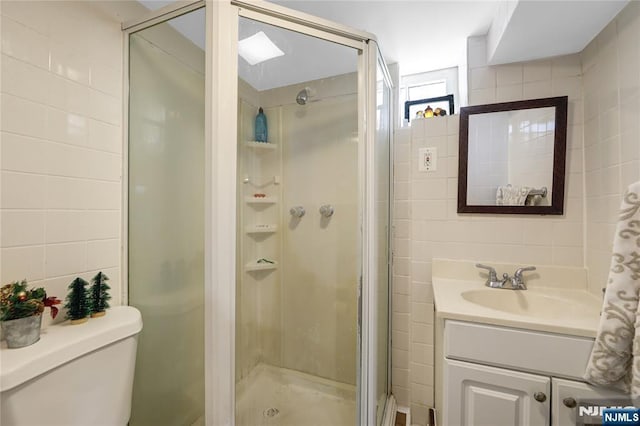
(76, 375)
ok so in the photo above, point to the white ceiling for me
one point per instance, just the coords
(535, 30)
(420, 35)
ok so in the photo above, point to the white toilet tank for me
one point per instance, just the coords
(76, 375)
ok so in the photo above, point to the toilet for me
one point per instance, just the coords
(76, 375)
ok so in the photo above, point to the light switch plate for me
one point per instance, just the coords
(428, 159)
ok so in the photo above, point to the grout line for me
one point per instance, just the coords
(47, 105)
(47, 209)
(75, 274)
(87, 148)
(53, 73)
(63, 176)
(61, 243)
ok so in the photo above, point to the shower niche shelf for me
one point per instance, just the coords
(261, 229)
(255, 266)
(261, 145)
(260, 200)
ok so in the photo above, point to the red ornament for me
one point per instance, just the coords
(50, 302)
(22, 296)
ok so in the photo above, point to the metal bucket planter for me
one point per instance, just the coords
(22, 332)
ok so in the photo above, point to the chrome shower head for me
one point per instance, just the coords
(303, 97)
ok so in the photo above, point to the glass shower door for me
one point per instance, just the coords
(382, 173)
(298, 233)
(166, 219)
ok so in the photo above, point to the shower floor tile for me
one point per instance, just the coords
(272, 396)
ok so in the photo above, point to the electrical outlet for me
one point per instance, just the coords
(428, 159)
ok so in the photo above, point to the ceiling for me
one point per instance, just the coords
(527, 30)
(420, 35)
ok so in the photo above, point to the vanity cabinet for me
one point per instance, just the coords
(481, 395)
(501, 376)
(566, 394)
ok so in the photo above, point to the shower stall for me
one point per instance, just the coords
(260, 262)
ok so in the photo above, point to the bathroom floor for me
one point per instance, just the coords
(272, 396)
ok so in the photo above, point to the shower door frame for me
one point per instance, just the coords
(128, 28)
(367, 60)
(312, 26)
(221, 97)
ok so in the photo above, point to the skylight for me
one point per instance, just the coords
(258, 48)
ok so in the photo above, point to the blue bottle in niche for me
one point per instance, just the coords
(261, 126)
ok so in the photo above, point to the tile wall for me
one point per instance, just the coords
(603, 85)
(61, 144)
(427, 224)
(611, 66)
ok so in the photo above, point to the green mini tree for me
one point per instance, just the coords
(77, 302)
(99, 295)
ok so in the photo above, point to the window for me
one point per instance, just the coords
(431, 89)
(425, 86)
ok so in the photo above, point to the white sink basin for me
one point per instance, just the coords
(533, 304)
(557, 299)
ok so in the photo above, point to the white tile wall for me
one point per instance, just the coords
(427, 224)
(402, 288)
(61, 151)
(611, 67)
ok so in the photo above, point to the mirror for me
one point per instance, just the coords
(512, 157)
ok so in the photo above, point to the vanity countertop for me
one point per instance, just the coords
(560, 304)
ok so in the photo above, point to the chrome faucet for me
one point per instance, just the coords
(510, 283)
(492, 280)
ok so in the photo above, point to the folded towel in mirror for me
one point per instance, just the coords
(510, 195)
(615, 357)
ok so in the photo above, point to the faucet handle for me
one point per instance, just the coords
(517, 282)
(492, 281)
(519, 271)
(493, 276)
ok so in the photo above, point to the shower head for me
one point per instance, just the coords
(303, 96)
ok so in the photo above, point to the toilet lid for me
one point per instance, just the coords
(61, 343)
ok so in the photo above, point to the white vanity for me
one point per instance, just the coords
(512, 357)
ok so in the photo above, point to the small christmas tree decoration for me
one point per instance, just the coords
(77, 306)
(99, 295)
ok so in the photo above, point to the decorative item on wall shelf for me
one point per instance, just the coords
(77, 302)
(99, 295)
(261, 133)
(430, 107)
(21, 313)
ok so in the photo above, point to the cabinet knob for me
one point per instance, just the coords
(569, 402)
(540, 396)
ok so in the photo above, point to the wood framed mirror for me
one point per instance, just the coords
(512, 157)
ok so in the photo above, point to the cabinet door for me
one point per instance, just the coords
(477, 395)
(566, 395)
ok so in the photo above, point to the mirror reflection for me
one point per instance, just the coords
(512, 157)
